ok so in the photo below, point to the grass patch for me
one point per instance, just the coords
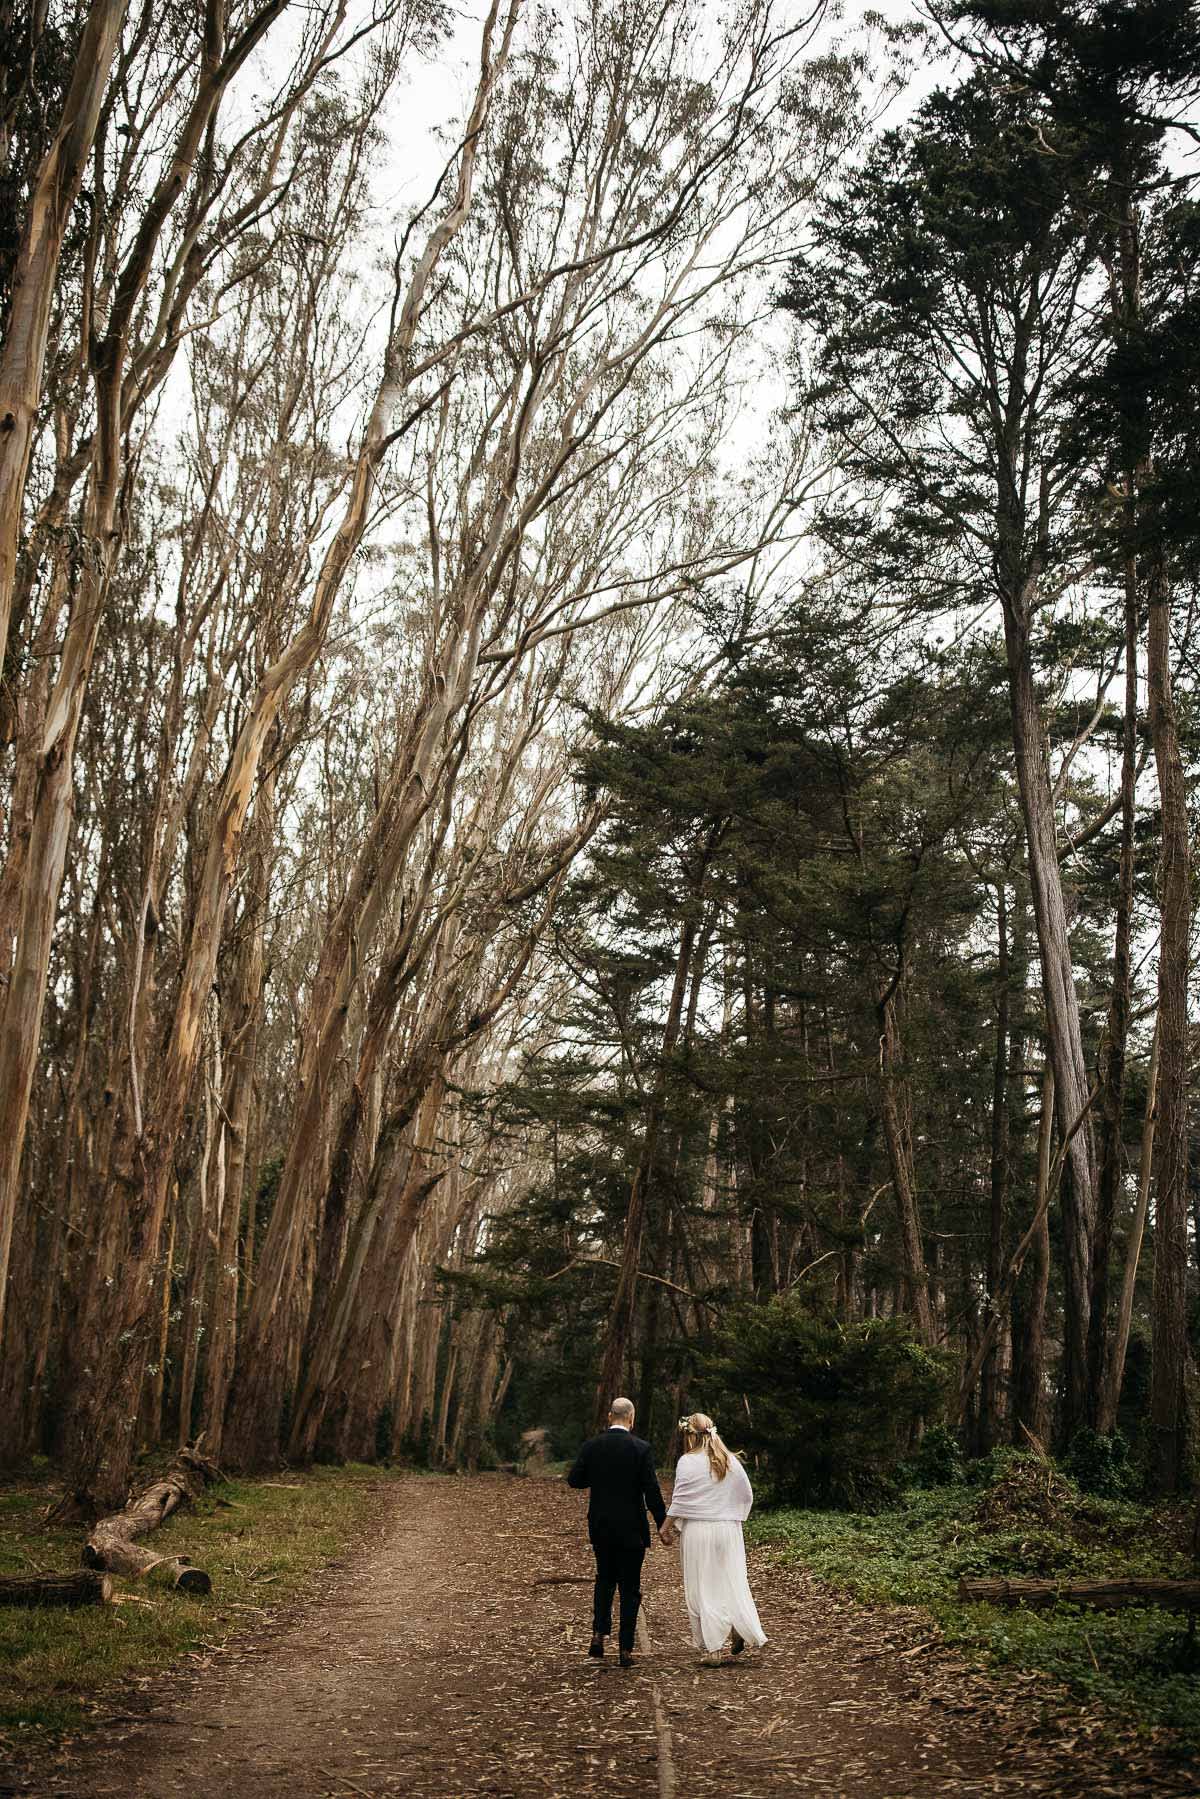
(261, 1540)
(1134, 1661)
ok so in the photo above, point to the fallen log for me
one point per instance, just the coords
(1104, 1595)
(112, 1544)
(84, 1588)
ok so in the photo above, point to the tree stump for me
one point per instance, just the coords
(111, 1545)
(84, 1588)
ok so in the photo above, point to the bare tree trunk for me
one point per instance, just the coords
(1114, 1373)
(20, 1027)
(22, 360)
(401, 1395)
(620, 1317)
(904, 1186)
(333, 1212)
(988, 1429)
(69, 1171)
(764, 1269)
(496, 1405)
(343, 1301)
(101, 1436)
(477, 1331)
(205, 1232)
(243, 1016)
(256, 1399)
(443, 1417)
(21, 1017)
(1116, 1038)
(662, 1209)
(1029, 1297)
(18, 1398)
(252, 1184)
(1063, 1029)
(30, 710)
(253, 1421)
(1049, 1174)
(150, 1408)
(1169, 1315)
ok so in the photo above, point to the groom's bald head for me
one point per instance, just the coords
(621, 1411)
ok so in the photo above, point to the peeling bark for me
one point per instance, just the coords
(113, 1545)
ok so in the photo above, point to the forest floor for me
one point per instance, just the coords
(446, 1656)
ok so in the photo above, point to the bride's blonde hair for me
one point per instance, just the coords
(699, 1432)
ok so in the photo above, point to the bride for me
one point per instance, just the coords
(712, 1499)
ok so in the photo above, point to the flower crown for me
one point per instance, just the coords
(704, 1430)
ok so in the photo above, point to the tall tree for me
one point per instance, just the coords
(1121, 79)
(949, 283)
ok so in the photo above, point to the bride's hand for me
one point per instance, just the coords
(666, 1534)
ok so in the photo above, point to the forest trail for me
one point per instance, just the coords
(447, 1657)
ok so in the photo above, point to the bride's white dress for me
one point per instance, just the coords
(710, 1513)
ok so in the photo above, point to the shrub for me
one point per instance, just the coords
(938, 1462)
(987, 1469)
(486, 1460)
(1101, 1465)
(832, 1408)
(417, 1445)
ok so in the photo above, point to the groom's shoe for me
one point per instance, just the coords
(627, 1658)
(596, 1646)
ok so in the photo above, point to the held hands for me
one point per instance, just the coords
(668, 1534)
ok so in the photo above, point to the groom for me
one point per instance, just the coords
(617, 1468)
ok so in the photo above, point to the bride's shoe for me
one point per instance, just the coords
(738, 1644)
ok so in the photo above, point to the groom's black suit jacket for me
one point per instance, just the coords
(618, 1470)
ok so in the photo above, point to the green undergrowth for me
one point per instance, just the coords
(262, 1541)
(1031, 1522)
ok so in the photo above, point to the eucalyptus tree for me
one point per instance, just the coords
(178, 200)
(102, 1424)
(554, 376)
(454, 957)
(54, 180)
(633, 185)
(245, 502)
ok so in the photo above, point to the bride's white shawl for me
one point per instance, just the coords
(699, 1494)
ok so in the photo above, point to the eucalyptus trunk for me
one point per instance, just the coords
(241, 1016)
(55, 190)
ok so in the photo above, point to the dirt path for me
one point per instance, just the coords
(447, 1658)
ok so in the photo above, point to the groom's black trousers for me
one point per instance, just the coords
(618, 1565)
